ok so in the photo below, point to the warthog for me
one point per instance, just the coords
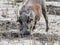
(31, 12)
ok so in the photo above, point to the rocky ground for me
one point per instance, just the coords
(54, 24)
(10, 25)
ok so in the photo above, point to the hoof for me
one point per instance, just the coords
(47, 29)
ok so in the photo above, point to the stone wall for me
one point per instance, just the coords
(53, 7)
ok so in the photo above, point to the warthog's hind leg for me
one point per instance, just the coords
(46, 18)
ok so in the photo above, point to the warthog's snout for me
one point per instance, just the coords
(24, 29)
(24, 20)
(25, 32)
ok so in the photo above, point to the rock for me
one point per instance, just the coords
(14, 35)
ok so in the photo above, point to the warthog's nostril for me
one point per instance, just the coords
(25, 32)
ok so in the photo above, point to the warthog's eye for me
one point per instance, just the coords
(29, 19)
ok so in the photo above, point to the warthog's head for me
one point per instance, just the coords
(24, 20)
